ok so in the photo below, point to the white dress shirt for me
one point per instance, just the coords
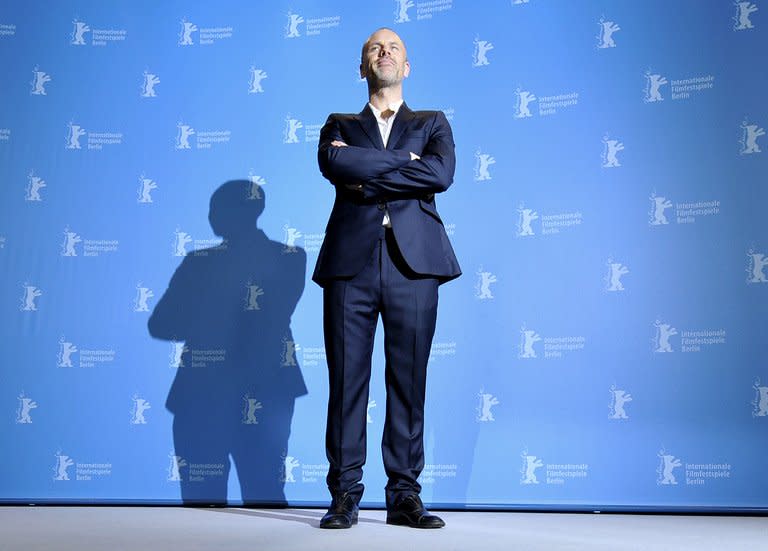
(385, 128)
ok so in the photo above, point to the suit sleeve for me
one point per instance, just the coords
(352, 164)
(433, 173)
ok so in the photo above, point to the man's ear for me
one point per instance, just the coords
(407, 69)
(362, 71)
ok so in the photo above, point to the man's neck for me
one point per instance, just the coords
(382, 98)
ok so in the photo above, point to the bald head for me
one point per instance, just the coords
(373, 36)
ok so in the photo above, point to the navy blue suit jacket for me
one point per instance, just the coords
(392, 181)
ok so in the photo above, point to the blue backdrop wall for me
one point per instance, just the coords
(605, 347)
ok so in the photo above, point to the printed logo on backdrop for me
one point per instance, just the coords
(742, 21)
(257, 182)
(86, 357)
(684, 213)
(78, 34)
(146, 186)
(180, 356)
(149, 81)
(433, 471)
(441, 350)
(143, 294)
(691, 340)
(290, 235)
(288, 356)
(760, 401)
(749, 135)
(176, 356)
(90, 247)
(483, 161)
(312, 241)
(611, 148)
(607, 30)
(483, 410)
(483, 285)
(252, 294)
(526, 217)
(24, 411)
(140, 405)
(292, 127)
(290, 464)
(206, 35)
(554, 473)
(174, 467)
(7, 30)
(425, 9)
(696, 474)
(662, 335)
(480, 52)
(519, 2)
(309, 473)
(63, 463)
(666, 469)
(94, 140)
(449, 112)
(313, 26)
(39, 80)
(186, 136)
(313, 356)
(83, 471)
(254, 82)
(619, 399)
(5, 134)
(182, 240)
(250, 406)
(401, 10)
(550, 223)
(681, 88)
(757, 266)
(99, 37)
(371, 405)
(554, 347)
(35, 184)
(195, 472)
(29, 297)
(2, 241)
(548, 105)
(616, 270)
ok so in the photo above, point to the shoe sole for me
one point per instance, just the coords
(402, 521)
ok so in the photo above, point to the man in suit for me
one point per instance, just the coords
(385, 253)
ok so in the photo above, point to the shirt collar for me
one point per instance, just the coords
(394, 107)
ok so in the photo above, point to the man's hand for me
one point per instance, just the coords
(358, 188)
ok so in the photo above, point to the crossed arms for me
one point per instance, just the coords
(386, 173)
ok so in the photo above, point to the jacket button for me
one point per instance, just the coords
(382, 206)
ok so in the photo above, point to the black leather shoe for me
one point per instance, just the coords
(410, 511)
(341, 514)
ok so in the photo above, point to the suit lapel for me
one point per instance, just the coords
(368, 123)
(401, 123)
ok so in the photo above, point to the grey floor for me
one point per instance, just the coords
(166, 528)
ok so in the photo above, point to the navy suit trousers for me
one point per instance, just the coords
(407, 303)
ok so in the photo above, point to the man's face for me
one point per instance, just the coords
(384, 61)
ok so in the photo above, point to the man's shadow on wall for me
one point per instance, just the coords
(238, 377)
